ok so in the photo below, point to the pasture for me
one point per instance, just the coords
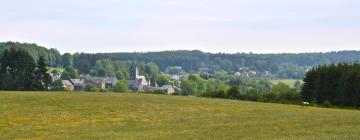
(289, 82)
(50, 115)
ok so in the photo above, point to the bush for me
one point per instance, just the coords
(121, 86)
(176, 93)
(57, 86)
(104, 90)
(91, 88)
(214, 94)
(270, 97)
(158, 92)
(233, 92)
(327, 103)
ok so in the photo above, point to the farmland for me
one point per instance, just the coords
(289, 82)
(50, 115)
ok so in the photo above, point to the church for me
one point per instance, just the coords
(137, 82)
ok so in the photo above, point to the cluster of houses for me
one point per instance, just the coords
(136, 82)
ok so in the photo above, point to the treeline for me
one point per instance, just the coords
(285, 65)
(281, 65)
(20, 72)
(241, 88)
(52, 56)
(337, 85)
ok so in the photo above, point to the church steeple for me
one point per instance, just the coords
(134, 71)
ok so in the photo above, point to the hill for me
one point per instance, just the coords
(284, 65)
(52, 56)
(42, 115)
(191, 60)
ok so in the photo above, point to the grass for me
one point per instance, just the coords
(54, 68)
(43, 115)
(289, 82)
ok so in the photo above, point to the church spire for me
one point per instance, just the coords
(134, 71)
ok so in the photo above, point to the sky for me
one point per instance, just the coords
(258, 26)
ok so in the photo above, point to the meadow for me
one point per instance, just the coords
(289, 82)
(50, 115)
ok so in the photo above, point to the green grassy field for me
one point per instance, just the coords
(53, 68)
(31, 115)
(289, 82)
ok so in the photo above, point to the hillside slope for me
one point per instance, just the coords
(30, 115)
(52, 56)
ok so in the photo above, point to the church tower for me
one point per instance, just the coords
(134, 71)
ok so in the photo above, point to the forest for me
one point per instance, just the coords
(282, 66)
(331, 80)
(333, 85)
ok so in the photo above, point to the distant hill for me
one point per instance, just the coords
(192, 60)
(285, 65)
(51, 55)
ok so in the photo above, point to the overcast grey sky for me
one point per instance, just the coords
(260, 26)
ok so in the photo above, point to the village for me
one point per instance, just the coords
(136, 83)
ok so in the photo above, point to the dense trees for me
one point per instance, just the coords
(69, 73)
(333, 84)
(57, 85)
(19, 71)
(51, 56)
(162, 79)
(281, 65)
(67, 60)
(245, 89)
(152, 71)
(42, 77)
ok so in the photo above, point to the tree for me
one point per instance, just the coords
(152, 70)
(91, 88)
(188, 87)
(194, 77)
(67, 60)
(121, 75)
(297, 86)
(121, 86)
(173, 70)
(69, 73)
(333, 85)
(57, 86)
(233, 92)
(280, 88)
(42, 78)
(162, 79)
(100, 72)
(17, 70)
(84, 67)
(52, 56)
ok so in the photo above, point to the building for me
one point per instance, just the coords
(54, 77)
(79, 84)
(67, 85)
(205, 71)
(136, 82)
(168, 89)
(175, 77)
(173, 70)
(102, 82)
(99, 83)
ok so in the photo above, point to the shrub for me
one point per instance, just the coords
(233, 92)
(121, 86)
(158, 92)
(327, 103)
(91, 88)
